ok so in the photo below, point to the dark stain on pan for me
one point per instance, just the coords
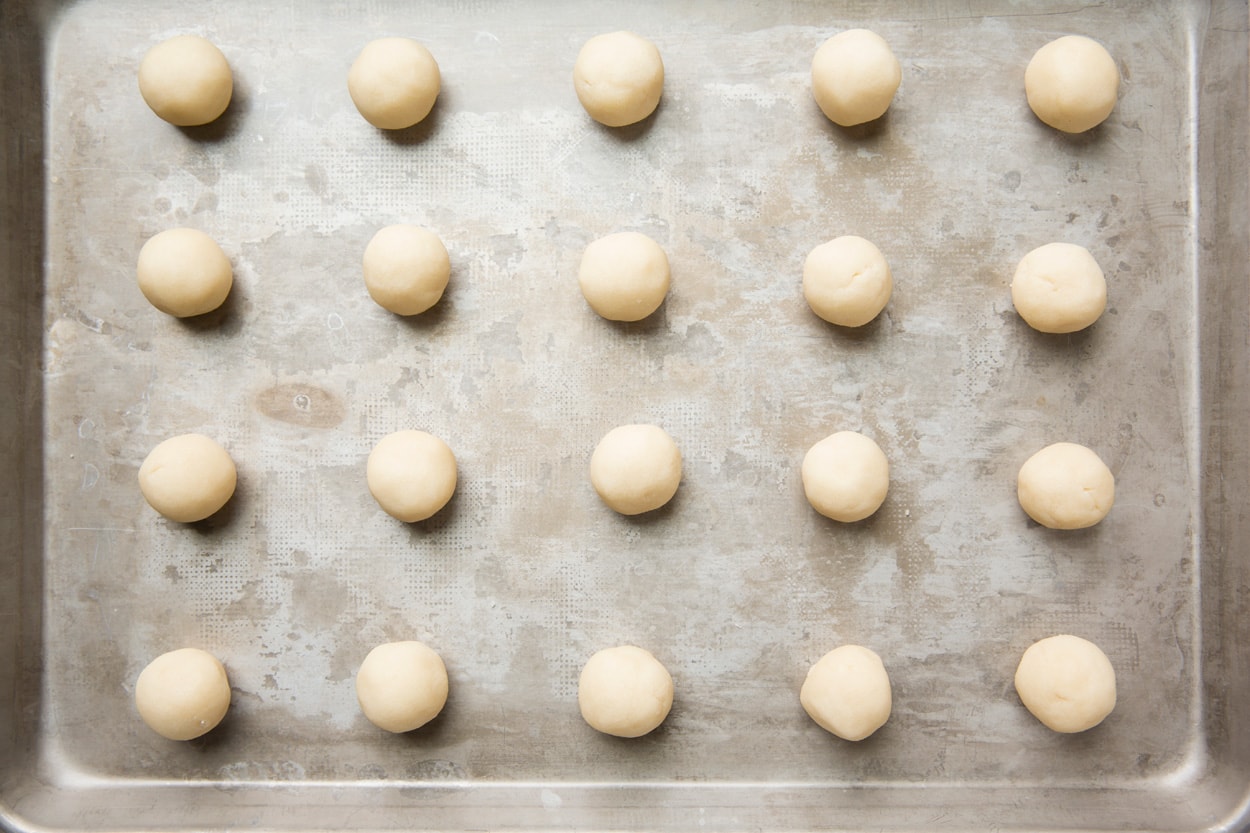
(305, 405)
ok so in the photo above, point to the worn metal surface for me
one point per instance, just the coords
(737, 586)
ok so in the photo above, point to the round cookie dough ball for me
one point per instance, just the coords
(846, 476)
(394, 83)
(1067, 683)
(854, 77)
(1071, 83)
(847, 692)
(406, 269)
(183, 694)
(187, 478)
(624, 276)
(1065, 486)
(619, 78)
(624, 691)
(636, 468)
(847, 281)
(411, 474)
(1059, 288)
(186, 81)
(401, 686)
(183, 272)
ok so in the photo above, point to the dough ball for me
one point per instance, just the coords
(183, 694)
(636, 468)
(1067, 683)
(1058, 288)
(847, 281)
(411, 474)
(186, 81)
(394, 83)
(1066, 486)
(183, 272)
(624, 691)
(618, 78)
(187, 478)
(1071, 83)
(401, 686)
(854, 77)
(406, 269)
(847, 692)
(846, 476)
(624, 276)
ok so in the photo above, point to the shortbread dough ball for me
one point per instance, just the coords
(636, 468)
(406, 269)
(847, 281)
(401, 686)
(624, 276)
(1071, 83)
(1066, 486)
(846, 476)
(854, 77)
(394, 82)
(1059, 288)
(619, 78)
(411, 474)
(624, 691)
(186, 81)
(187, 478)
(183, 272)
(183, 694)
(1067, 683)
(847, 692)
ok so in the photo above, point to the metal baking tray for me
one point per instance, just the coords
(737, 586)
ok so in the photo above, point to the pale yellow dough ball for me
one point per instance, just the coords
(1067, 683)
(187, 478)
(624, 276)
(846, 476)
(636, 468)
(402, 686)
(1072, 83)
(411, 474)
(854, 77)
(1059, 288)
(847, 281)
(184, 273)
(619, 78)
(394, 83)
(624, 691)
(847, 692)
(183, 694)
(1066, 486)
(186, 81)
(406, 269)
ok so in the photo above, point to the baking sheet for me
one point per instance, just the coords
(737, 586)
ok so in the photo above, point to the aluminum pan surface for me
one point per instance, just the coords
(737, 586)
